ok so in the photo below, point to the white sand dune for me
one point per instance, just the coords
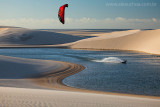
(13, 68)
(17, 72)
(22, 36)
(20, 97)
(146, 41)
(29, 73)
(114, 34)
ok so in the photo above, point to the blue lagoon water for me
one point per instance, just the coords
(141, 74)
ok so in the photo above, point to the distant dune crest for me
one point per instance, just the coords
(135, 40)
(22, 36)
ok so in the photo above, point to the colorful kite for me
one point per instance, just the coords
(61, 13)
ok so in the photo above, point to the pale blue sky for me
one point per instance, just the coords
(94, 12)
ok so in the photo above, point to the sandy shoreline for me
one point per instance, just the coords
(61, 95)
(52, 79)
(69, 69)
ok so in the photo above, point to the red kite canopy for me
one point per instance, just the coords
(61, 13)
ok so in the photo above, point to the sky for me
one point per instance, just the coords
(81, 14)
